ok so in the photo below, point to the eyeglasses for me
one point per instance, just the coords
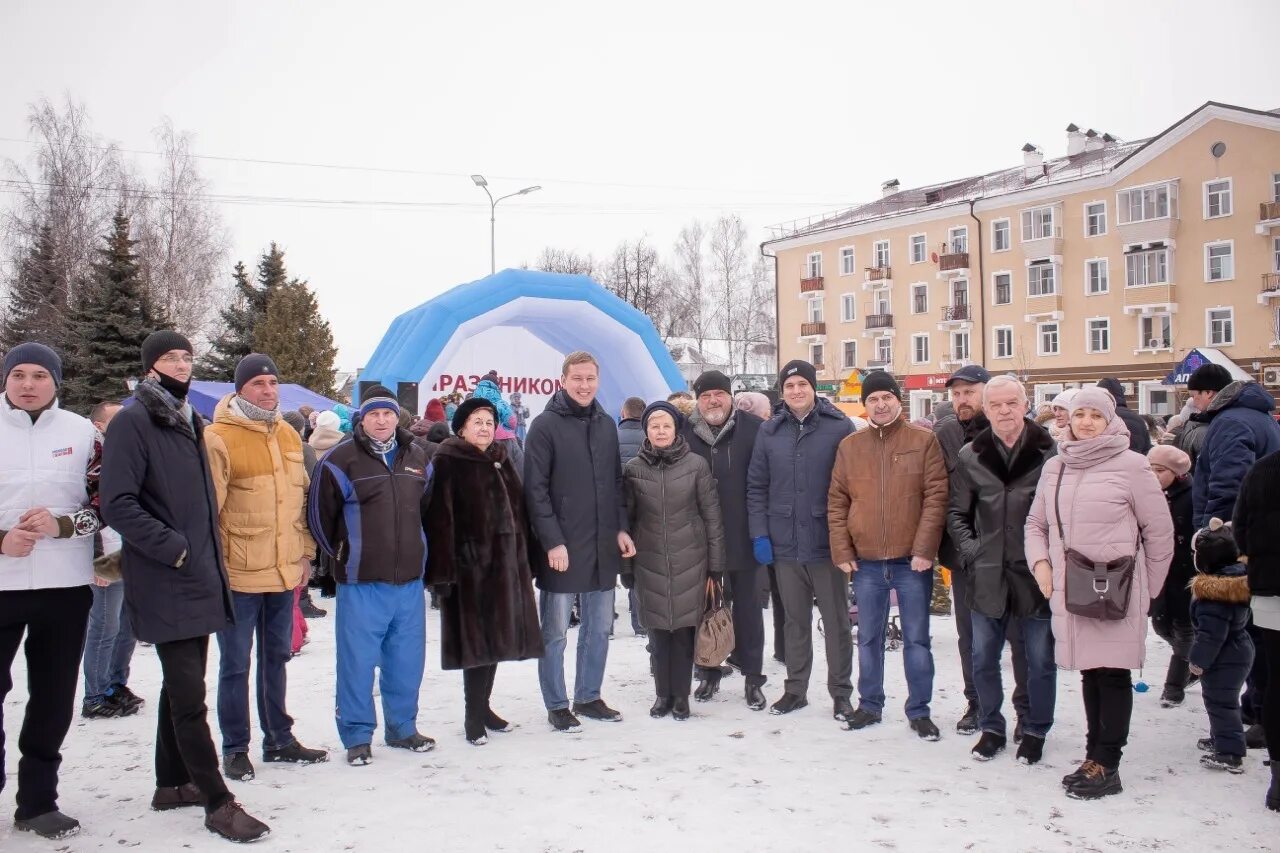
(170, 358)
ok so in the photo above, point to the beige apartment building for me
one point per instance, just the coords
(1120, 259)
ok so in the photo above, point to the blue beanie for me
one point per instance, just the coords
(661, 406)
(378, 397)
(34, 353)
(253, 365)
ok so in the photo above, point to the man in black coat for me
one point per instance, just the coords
(992, 489)
(725, 437)
(157, 493)
(1139, 434)
(573, 489)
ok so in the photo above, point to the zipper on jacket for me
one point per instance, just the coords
(666, 550)
(884, 504)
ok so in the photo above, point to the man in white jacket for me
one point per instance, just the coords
(49, 461)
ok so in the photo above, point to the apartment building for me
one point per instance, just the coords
(1118, 259)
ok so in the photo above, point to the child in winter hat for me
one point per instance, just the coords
(1222, 652)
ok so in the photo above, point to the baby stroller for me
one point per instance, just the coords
(893, 628)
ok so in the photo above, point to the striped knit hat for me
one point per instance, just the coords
(378, 397)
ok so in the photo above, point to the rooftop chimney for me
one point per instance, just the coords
(1075, 140)
(1032, 163)
(889, 187)
(1092, 140)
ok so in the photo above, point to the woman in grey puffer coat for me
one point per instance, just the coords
(679, 537)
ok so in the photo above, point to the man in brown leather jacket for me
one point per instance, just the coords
(886, 512)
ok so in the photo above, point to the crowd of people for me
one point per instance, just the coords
(1064, 531)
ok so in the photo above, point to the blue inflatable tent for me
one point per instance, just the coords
(562, 312)
(205, 396)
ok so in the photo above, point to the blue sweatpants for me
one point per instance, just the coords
(385, 626)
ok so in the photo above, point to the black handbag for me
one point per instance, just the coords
(1094, 589)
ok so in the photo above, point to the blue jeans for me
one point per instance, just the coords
(871, 584)
(109, 644)
(1042, 672)
(269, 616)
(385, 626)
(596, 612)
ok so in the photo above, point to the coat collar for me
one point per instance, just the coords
(1036, 446)
(823, 409)
(458, 448)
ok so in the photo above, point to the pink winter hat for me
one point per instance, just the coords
(1095, 398)
(1168, 456)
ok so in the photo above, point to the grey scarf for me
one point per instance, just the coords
(252, 412)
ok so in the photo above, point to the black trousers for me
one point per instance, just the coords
(54, 621)
(1178, 633)
(744, 592)
(672, 656)
(779, 616)
(1108, 706)
(477, 687)
(1256, 684)
(1269, 650)
(184, 747)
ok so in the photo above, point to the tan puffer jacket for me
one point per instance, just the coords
(261, 486)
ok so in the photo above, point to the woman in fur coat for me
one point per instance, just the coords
(478, 561)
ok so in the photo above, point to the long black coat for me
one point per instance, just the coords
(729, 455)
(675, 521)
(954, 434)
(157, 493)
(478, 535)
(573, 492)
(987, 514)
(1174, 601)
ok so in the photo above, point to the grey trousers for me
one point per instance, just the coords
(800, 584)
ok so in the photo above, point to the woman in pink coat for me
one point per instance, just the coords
(1111, 507)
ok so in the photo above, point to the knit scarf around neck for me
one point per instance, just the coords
(382, 448)
(252, 412)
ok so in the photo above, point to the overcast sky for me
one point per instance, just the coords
(634, 118)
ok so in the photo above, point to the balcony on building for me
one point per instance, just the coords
(1044, 308)
(956, 317)
(879, 325)
(1044, 247)
(952, 363)
(811, 284)
(953, 265)
(1268, 217)
(1270, 287)
(1151, 299)
(877, 277)
(813, 330)
(878, 363)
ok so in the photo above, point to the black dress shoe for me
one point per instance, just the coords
(661, 707)
(680, 708)
(788, 703)
(755, 696)
(707, 689)
(842, 709)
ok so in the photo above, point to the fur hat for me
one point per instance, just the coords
(468, 406)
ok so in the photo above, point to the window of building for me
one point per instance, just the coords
(881, 248)
(815, 310)
(1149, 267)
(848, 308)
(880, 299)
(1003, 341)
(1095, 219)
(920, 349)
(1221, 324)
(815, 355)
(1002, 288)
(813, 265)
(919, 249)
(849, 350)
(846, 261)
(958, 240)
(919, 299)
(1099, 332)
(959, 346)
(884, 350)
(1096, 277)
(1217, 198)
(1047, 338)
(1040, 279)
(1039, 222)
(1159, 201)
(1219, 261)
(1155, 331)
(1275, 254)
(1275, 187)
(960, 291)
(1000, 238)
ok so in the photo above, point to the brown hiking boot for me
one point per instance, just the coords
(233, 823)
(179, 797)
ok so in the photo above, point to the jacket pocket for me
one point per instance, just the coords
(250, 548)
(782, 526)
(907, 462)
(295, 469)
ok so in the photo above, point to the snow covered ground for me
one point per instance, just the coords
(728, 779)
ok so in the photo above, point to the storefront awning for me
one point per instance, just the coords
(1200, 357)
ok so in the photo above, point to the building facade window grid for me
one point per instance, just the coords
(1098, 338)
(884, 350)
(1095, 219)
(847, 263)
(815, 310)
(1039, 223)
(919, 248)
(958, 239)
(1047, 335)
(1002, 288)
(919, 299)
(815, 354)
(813, 265)
(1155, 331)
(1221, 330)
(1142, 204)
(1217, 198)
(850, 353)
(1000, 235)
(1143, 268)
(1041, 280)
(960, 346)
(920, 349)
(1097, 279)
(1219, 261)
(848, 308)
(882, 254)
(1003, 339)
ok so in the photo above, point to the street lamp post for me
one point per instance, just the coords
(480, 181)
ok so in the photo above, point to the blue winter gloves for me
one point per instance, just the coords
(762, 547)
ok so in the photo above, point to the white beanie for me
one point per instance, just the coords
(328, 420)
(1063, 400)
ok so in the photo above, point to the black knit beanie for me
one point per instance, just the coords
(253, 365)
(712, 380)
(880, 380)
(801, 368)
(159, 343)
(1209, 377)
(34, 353)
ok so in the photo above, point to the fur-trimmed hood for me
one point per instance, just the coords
(1230, 587)
(164, 409)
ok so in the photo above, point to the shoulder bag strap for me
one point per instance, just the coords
(1057, 507)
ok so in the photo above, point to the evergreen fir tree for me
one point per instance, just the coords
(298, 339)
(241, 317)
(36, 304)
(109, 322)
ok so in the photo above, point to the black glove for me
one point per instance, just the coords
(628, 581)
